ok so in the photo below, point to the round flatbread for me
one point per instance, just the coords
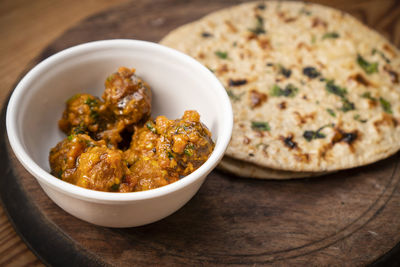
(312, 88)
(249, 170)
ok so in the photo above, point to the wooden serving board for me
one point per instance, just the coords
(348, 218)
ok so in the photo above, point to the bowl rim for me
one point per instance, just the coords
(110, 197)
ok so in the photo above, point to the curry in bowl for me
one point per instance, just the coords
(114, 145)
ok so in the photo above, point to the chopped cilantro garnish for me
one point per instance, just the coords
(332, 88)
(289, 91)
(311, 72)
(284, 71)
(89, 143)
(313, 39)
(387, 107)
(189, 150)
(331, 112)
(366, 66)
(261, 6)
(347, 105)
(79, 130)
(91, 101)
(233, 96)
(368, 96)
(150, 126)
(357, 117)
(376, 51)
(94, 114)
(260, 126)
(305, 11)
(221, 54)
(310, 135)
(206, 34)
(70, 137)
(259, 28)
(170, 155)
(72, 98)
(110, 78)
(115, 187)
(331, 35)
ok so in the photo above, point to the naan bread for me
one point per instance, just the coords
(249, 170)
(312, 88)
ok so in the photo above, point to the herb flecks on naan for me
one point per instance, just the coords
(312, 88)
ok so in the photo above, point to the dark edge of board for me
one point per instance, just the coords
(43, 238)
(51, 246)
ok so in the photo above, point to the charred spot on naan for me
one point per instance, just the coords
(387, 120)
(340, 136)
(302, 119)
(394, 76)
(282, 105)
(302, 157)
(237, 82)
(318, 22)
(288, 141)
(360, 79)
(256, 98)
(246, 140)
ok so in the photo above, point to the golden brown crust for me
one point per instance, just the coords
(323, 73)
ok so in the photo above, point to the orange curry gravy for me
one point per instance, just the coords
(113, 145)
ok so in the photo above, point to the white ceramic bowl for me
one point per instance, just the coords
(178, 83)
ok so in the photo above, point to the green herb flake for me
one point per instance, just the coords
(115, 187)
(376, 51)
(91, 102)
(221, 54)
(259, 28)
(387, 107)
(110, 78)
(234, 97)
(368, 96)
(189, 150)
(347, 105)
(313, 39)
(74, 97)
(94, 114)
(331, 112)
(289, 91)
(79, 130)
(170, 155)
(260, 126)
(59, 174)
(368, 67)
(89, 143)
(305, 12)
(311, 135)
(332, 88)
(70, 137)
(284, 71)
(210, 69)
(330, 35)
(150, 126)
(357, 117)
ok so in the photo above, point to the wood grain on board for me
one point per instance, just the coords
(348, 218)
(21, 43)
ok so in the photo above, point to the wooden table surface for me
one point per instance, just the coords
(27, 27)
